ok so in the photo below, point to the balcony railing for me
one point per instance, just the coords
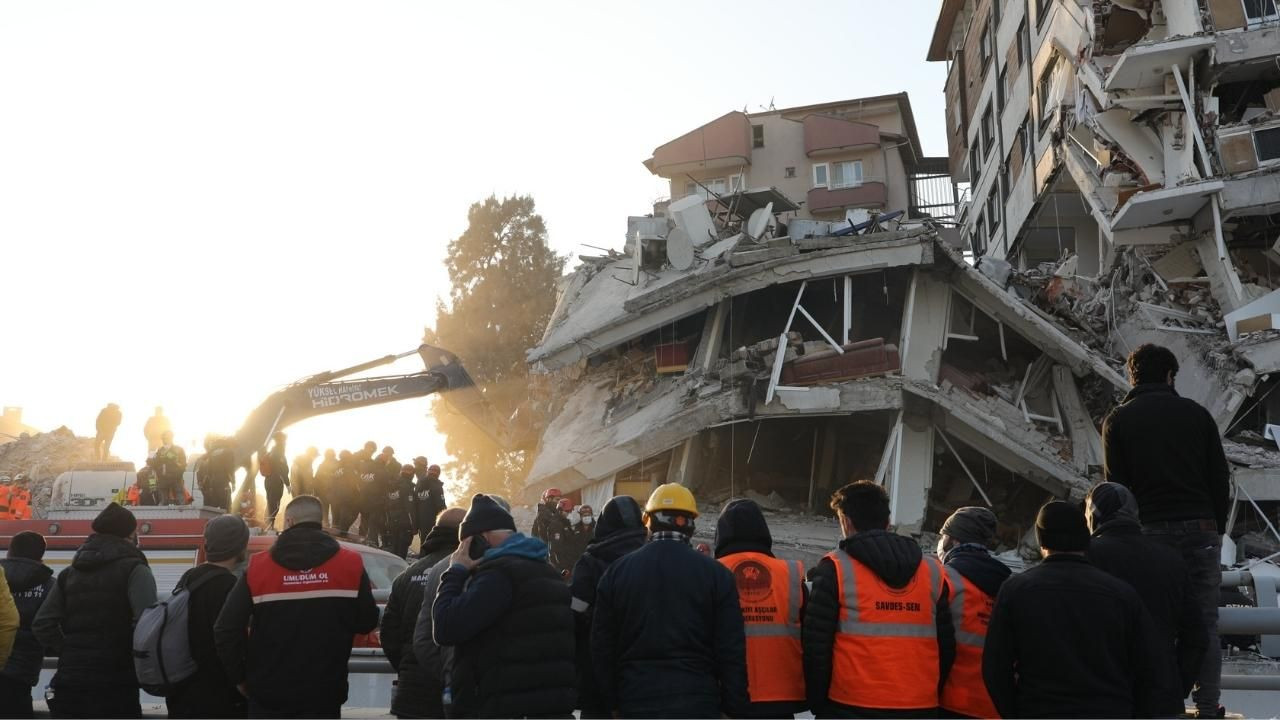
(867, 195)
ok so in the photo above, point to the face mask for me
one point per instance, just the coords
(588, 520)
(478, 546)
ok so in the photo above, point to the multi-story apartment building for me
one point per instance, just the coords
(834, 160)
(1084, 127)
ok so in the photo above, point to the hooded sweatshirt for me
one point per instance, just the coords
(30, 582)
(295, 654)
(894, 559)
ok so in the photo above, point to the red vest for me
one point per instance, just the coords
(337, 577)
(886, 645)
(965, 691)
(769, 591)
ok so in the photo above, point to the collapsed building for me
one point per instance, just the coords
(1116, 165)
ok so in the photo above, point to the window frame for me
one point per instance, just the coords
(993, 207)
(855, 166)
(975, 163)
(1263, 18)
(757, 142)
(985, 45)
(1264, 162)
(987, 130)
(826, 175)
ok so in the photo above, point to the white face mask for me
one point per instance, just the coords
(588, 520)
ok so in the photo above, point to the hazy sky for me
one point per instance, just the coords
(202, 201)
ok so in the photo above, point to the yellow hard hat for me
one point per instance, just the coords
(672, 497)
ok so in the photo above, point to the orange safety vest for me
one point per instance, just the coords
(965, 692)
(135, 495)
(886, 645)
(20, 504)
(5, 491)
(770, 593)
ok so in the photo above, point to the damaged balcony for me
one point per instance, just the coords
(722, 143)
(1147, 65)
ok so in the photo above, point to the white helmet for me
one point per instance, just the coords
(5, 479)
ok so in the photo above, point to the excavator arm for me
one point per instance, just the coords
(327, 393)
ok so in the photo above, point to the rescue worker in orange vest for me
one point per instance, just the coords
(19, 499)
(6, 489)
(771, 593)
(973, 577)
(877, 636)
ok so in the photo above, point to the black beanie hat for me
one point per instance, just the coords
(622, 512)
(741, 527)
(1060, 526)
(975, 525)
(225, 537)
(28, 545)
(115, 520)
(485, 515)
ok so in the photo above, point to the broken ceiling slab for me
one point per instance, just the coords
(746, 202)
(1023, 319)
(1147, 64)
(1266, 305)
(1180, 263)
(851, 396)
(1261, 351)
(1255, 195)
(1165, 205)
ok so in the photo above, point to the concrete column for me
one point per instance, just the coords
(911, 474)
(924, 326)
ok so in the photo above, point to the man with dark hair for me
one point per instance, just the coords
(667, 637)
(877, 595)
(506, 612)
(30, 581)
(428, 495)
(1157, 572)
(418, 689)
(1066, 639)
(209, 693)
(1167, 450)
(87, 621)
(284, 635)
(276, 477)
(974, 577)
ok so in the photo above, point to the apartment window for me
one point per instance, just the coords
(1001, 86)
(984, 44)
(1004, 184)
(1260, 11)
(846, 174)
(988, 131)
(957, 116)
(737, 183)
(1021, 40)
(820, 175)
(719, 186)
(1268, 144)
(1042, 12)
(975, 163)
(979, 236)
(1043, 88)
(789, 171)
(1024, 137)
(757, 136)
(993, 208)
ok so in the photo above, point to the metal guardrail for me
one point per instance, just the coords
(1251, 682)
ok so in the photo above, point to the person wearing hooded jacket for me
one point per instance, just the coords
(10, 619)
(418, 688)
(772, 594)
(1118, 547)
(87, 621)
(506, 612)
(900, 608)
(284, 635)
(974, 577)
(619, 532)
(30, 581)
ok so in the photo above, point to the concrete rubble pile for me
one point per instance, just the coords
(42, 457)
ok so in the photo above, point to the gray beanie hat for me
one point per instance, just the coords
(225, 537)
(971, 525)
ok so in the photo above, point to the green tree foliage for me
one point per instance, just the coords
(503, 277)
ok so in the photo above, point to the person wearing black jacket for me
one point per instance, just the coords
(1156, 571)
(1066, 639)
(1167, 450)
(108, 421)
(285, 633)
(208, 693)
(667, 638)
(400, 512)
(277, 479)
(428, 495)
(30, 581)
(896, 561)
(619, 532)
(505, 611)
(418, 691)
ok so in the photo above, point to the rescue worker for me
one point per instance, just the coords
(400, 512)
(506, 612)
(19, 498)
(418, 688)
(620, 531)
(6, 489)
(772, 594)
(548, 520)
(209, 693)
(145, 489)
(581, 530)
(346, 491)
(87, 621)
(284, 635)
(216, 471)
(974, 577)
(108, 421)
(373, 494)
(155, 428)
(1065, 638)
(10, 619)
(30, 581)
(1167, 450)
(169, 463)
(875, 596)
(667, 637)
(428, 494)
(563, 539)
(324, 485)
(275, 478)
(1156, 571)
(302, 475)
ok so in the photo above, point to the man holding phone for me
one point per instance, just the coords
(506, 612)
